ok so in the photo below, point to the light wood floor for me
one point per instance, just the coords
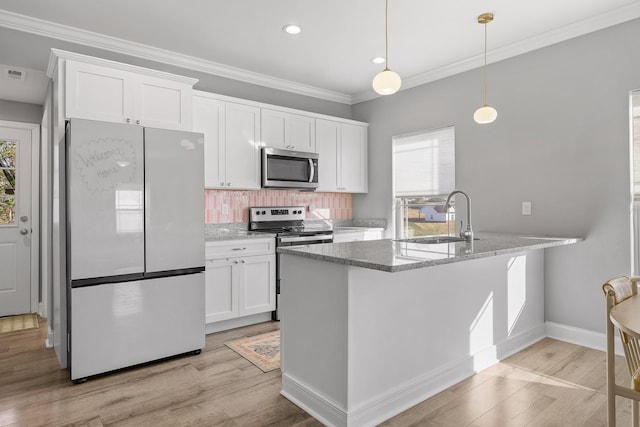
(551, 383)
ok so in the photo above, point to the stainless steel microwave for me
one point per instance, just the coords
(289, 169)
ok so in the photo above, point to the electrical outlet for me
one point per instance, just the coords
(526, 208)
(225, 209)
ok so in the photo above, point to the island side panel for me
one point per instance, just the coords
(414, 333)
(313, 325)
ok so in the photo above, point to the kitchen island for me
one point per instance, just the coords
(371, 328)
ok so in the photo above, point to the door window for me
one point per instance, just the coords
(7, 182)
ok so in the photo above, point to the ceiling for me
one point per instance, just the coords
(330, 59)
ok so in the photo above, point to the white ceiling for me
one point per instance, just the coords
(330, 59)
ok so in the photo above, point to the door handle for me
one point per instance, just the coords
(312, 170)
(24, 231)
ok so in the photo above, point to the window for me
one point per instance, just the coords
(635, 156)
(423, 176)
(7, 182)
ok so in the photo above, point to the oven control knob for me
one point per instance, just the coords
(257, 212)
(264, 212)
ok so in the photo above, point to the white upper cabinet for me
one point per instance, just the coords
(342, 148)
(98, 93)
(98, 89)
(208, 118)
(162, 103)
(231, 151)
(288, 131)
(328, 146)
(353, 159)
(236, 130)
(242, 133)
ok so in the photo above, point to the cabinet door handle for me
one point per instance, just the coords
(238, 249)
(228, 184)
(137, 122)
(235, 261)
(128, 120)
(242, 261)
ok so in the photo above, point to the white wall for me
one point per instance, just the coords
(561, 141)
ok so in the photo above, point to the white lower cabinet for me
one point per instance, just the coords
(240, 278)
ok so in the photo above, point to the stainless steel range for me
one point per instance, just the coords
(288, 224)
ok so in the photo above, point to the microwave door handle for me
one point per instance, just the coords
(313, 170)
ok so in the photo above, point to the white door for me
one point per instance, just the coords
(256, 284)
(15, 221)
(105, 199)
(174, 202)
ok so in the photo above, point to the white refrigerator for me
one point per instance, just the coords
(134, 245)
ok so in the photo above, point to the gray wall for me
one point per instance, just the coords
(561, 141)
(20, 112)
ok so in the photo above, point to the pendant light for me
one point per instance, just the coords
(386, 82)
(486, 113)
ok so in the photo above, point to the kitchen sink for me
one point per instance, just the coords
(431, 240)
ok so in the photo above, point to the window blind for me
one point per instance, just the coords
(424, 163)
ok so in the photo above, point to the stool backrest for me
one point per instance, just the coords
(615, 291)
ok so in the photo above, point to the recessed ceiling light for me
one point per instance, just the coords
(291, 29)
(377, 60)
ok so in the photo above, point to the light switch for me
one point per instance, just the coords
(526, 208)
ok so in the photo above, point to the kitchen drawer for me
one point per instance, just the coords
(239, 248)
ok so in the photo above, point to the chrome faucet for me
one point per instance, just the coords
(468, 233)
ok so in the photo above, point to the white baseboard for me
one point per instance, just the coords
(49, 342)
(406, 395)
(319, 407)
(579, 336)
(239, 322)
(42, 310)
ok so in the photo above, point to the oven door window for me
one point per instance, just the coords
(280, 168)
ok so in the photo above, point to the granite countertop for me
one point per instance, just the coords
(230, 234)
(392, 256)
(354, 229)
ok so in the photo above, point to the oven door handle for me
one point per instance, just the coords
(302, 239)
(312, 169)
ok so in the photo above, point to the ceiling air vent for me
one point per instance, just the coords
(14, 74)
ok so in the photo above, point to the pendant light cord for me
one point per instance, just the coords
(386, 35)
(485, 63)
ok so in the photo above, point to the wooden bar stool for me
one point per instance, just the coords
(623, 311)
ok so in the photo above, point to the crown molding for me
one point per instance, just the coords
(63, 54)
(74, 35)
(101, 41)
(609, 19)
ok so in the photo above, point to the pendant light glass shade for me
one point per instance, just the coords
(387, 82)
(485, 114)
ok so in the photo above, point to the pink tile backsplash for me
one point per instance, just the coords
(327, 205)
